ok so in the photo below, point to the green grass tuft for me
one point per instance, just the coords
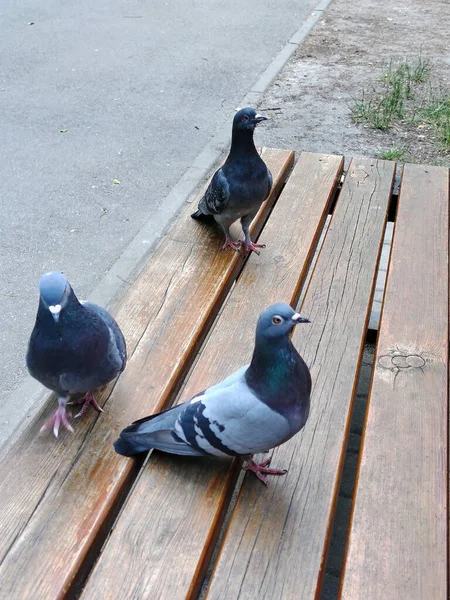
(392, 154)
(402, 96)
(436, 113)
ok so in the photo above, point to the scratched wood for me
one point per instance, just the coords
(277, 539)
(55, 496)
(398, 539)
(165, 534)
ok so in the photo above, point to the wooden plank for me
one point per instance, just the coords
(277, 540)
(56, 496)
(164, 537)
(398, 539)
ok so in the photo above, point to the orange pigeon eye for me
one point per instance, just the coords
(277, 320)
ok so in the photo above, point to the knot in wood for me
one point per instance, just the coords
(359, 174)
(397, 360)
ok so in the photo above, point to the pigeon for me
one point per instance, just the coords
(240, 186)
(75, 347)
(260, 406)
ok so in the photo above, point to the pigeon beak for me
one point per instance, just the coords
(258, 118)
(55, 310)
(299, 319)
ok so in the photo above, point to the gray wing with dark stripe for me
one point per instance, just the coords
(230, 421)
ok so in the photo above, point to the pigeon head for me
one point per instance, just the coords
(55, 291)
(278, 321)
(247, 119)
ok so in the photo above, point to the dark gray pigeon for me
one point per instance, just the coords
(74, 347)
(260, 406)
(240, 186)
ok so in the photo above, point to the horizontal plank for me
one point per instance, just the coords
(165, 534)
(277, 539)
(398, 540)
(57, 496)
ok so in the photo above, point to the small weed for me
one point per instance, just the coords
(403, 99)
(420, 70)
(392, 154)
(436, 113)
(378, 112)
(398, 83)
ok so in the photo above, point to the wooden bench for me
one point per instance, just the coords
(77, 520)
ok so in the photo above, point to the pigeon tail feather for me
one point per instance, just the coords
(129, 447)
(154, 432)
(199, 216)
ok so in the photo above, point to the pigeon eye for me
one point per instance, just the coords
(244, 118)
(277, 320)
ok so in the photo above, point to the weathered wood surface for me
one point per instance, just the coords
(398, 539)
(55, 496)
(165, 534)
(277, 539)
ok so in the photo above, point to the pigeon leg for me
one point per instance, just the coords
(59, 418)
(86, 400)
(229, 243)
(260, 469)
(249, 246)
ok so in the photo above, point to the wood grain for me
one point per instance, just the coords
(277, 539)
(165, 534)
(398, 539)
(56, 496)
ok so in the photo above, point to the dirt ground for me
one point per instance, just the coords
(347, 52)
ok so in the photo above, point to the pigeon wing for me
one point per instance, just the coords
(117, 351)
(230, 420)
(216, 196)
(269, 183)
(155, 431)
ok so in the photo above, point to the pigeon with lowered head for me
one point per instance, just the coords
(240, 186)
(74, 347)
(260, 406)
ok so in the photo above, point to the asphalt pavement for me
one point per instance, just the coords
(104, 106)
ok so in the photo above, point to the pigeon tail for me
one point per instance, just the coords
(129, 444)
(154, 432)
(199, 216)
(129, 447)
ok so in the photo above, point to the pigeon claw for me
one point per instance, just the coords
(231, 244)
(87, 400)
(252, 247)
(261, 470)
(59, 418)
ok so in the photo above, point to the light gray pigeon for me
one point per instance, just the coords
(74, 347)
(260, 406)
(240, 186)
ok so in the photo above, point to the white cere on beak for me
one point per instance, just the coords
(258, 116)
(296, 317)
(55, 310)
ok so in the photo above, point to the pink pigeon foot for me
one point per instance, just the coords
(59, 418)
(252, 247)
(229, 243)
(260, 468)
(86, 400)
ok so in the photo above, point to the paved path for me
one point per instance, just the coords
(140, 90)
